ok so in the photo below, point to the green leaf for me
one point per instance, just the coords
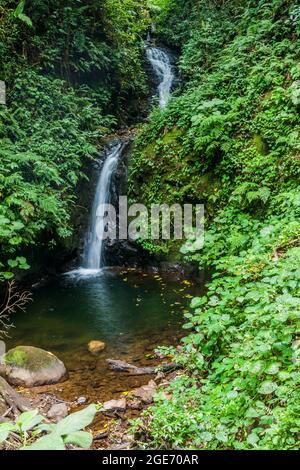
(222, 436)
(80, 439)
(3, 435)
(253, 439)
(232, 394)
(7, 275)
(20, 8)
(76, 421)
(206, 436)
(29, 420)
(253, 413)
(12, 263)
(267, 387)
(196, 302)
(25, 19)
(5, 429)
(256, 367)
(52, 441)
(273, 369)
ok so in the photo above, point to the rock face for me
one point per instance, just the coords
(95, 347)
(28, 366)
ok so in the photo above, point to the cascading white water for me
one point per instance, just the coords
(93, 256)
(93, 252)
(163, 69)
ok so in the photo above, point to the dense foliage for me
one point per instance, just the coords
(231, 140)
(30, 425)
(73, 70)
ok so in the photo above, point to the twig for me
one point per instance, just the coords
(13, 300)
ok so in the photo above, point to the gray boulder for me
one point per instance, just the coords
(113, 406)
(28, 366)
(57, 412)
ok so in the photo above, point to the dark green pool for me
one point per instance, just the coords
(131, 311)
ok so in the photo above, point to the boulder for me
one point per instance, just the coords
(58, 412)
(28, 366)
(146, 392)
(95, 347)
(134, 403)
(112, 406)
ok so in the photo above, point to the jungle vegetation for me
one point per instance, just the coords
(74, 72)
(229, 138)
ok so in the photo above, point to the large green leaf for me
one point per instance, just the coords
(80, 439)
(29, 420)
(52, 441)
(76, 421)
(5, 429)
(267, 387)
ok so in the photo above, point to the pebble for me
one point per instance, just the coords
(81, 401)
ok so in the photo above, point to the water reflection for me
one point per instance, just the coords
(113, 307)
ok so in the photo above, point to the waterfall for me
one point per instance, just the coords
(93, 249)
(163, 70)
(93, 254)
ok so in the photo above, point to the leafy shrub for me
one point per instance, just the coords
(29, 426)
(45, 141)
(231, 141)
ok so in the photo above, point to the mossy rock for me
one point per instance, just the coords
(28, 366)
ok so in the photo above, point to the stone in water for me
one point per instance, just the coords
(96, 347)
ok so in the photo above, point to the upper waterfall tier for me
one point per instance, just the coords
(162, 67)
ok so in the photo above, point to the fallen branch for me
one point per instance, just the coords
(12, 398)
(121, 366)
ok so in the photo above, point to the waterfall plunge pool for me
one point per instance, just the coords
(132, 311)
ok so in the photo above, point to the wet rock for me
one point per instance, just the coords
(81, 401)
(121, 366)
(172, 376)
(134, 404)
(28, 366)
(95, 347)
(100, 435)
(58, 412)
(126, 253)
(146, 392)
(124, 444)
(159, 377)
(112, 406)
